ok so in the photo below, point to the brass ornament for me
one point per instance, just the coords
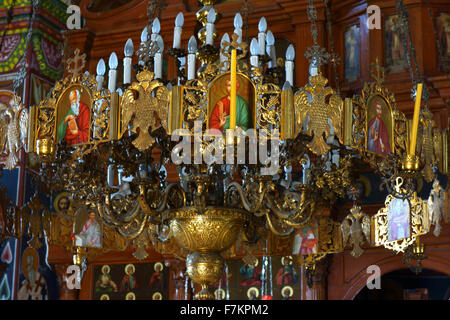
(36, 221)
(419, 222)
(144, 111)
(356, 230)
(13, 131)
(319, 111)
(75, 65)
(429, 144)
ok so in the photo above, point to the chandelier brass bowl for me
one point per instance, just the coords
(205, 235)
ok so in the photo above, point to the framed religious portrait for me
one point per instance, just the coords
(87, 228)
(253, 293)
(352, 53)
(379, 126)
(443, 30)
(73, 115)
(306, 240)
(219, 103)
(395, 56)
(399, 215)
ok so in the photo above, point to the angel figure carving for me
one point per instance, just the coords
(14, 130)
(312, 101)
(436, 206)
(145, 106)
(356, 228)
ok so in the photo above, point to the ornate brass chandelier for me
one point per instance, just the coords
(119, 167)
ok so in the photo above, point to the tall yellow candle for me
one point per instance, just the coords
(233, 90)
(415, 124)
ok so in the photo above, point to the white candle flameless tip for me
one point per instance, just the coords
(238, 20)
(254, 47)
(270, 39)
(128, 48)
(179, 20)
(192, 45)
(144, 35)
(113, 61)
(262, 25)
(211, 18)
(290, 53)
(101, 67)
(160, 44)
(156, 26)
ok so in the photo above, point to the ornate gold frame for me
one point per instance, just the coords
(419, 223)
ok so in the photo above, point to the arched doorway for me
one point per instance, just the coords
(402, 284)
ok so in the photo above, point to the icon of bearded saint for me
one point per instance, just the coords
(75, 125)
(378, 136)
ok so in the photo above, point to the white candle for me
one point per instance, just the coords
(110, 176)
(144, 38)
(158, 58)
(127, 61)
(192, 49)
(211, 18)
(101, 69)
(179, 21)
(182, 67)
(262, 27)
(271, 49)
(238, 26)
(254, 49)
(156, 27)
(113, 63)
(289, 64)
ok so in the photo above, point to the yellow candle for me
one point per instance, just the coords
(233, 90)
(415, 124)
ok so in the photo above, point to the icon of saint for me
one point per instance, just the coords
(378, 136)
(75, 125)
(220, 116)
(90, 235)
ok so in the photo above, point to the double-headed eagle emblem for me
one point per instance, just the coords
(145, 105)
(311, 101)
(356, 227)
(13, 130)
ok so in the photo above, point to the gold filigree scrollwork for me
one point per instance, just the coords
(194, 103)
(241, 49)
(419, 224)
(330, 236)
(312, 100)
(144, 104)
(269, 107)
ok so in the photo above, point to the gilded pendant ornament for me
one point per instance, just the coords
(356, 230)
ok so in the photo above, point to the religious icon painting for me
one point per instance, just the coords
(130, 296)
(287, 292)
(399, 219)
(379, 126)
(286, 274)
(253, 293)
(87, 228)
(73, 115)
(104, 297)
(220, 294)
(104, 282)
(157, 296)
(157, 277)
(250, 274)
(443, 30)
(219, 103)
(395, 56)
(34, 287)
(306, 240)
(128, 282)
(352, 53)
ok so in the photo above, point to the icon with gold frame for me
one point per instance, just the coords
(379, 126)
(219, 103)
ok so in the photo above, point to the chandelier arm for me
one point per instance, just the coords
(244, 200)
(105, 216)
(163, 205)
(134, 233)
(274, 230)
